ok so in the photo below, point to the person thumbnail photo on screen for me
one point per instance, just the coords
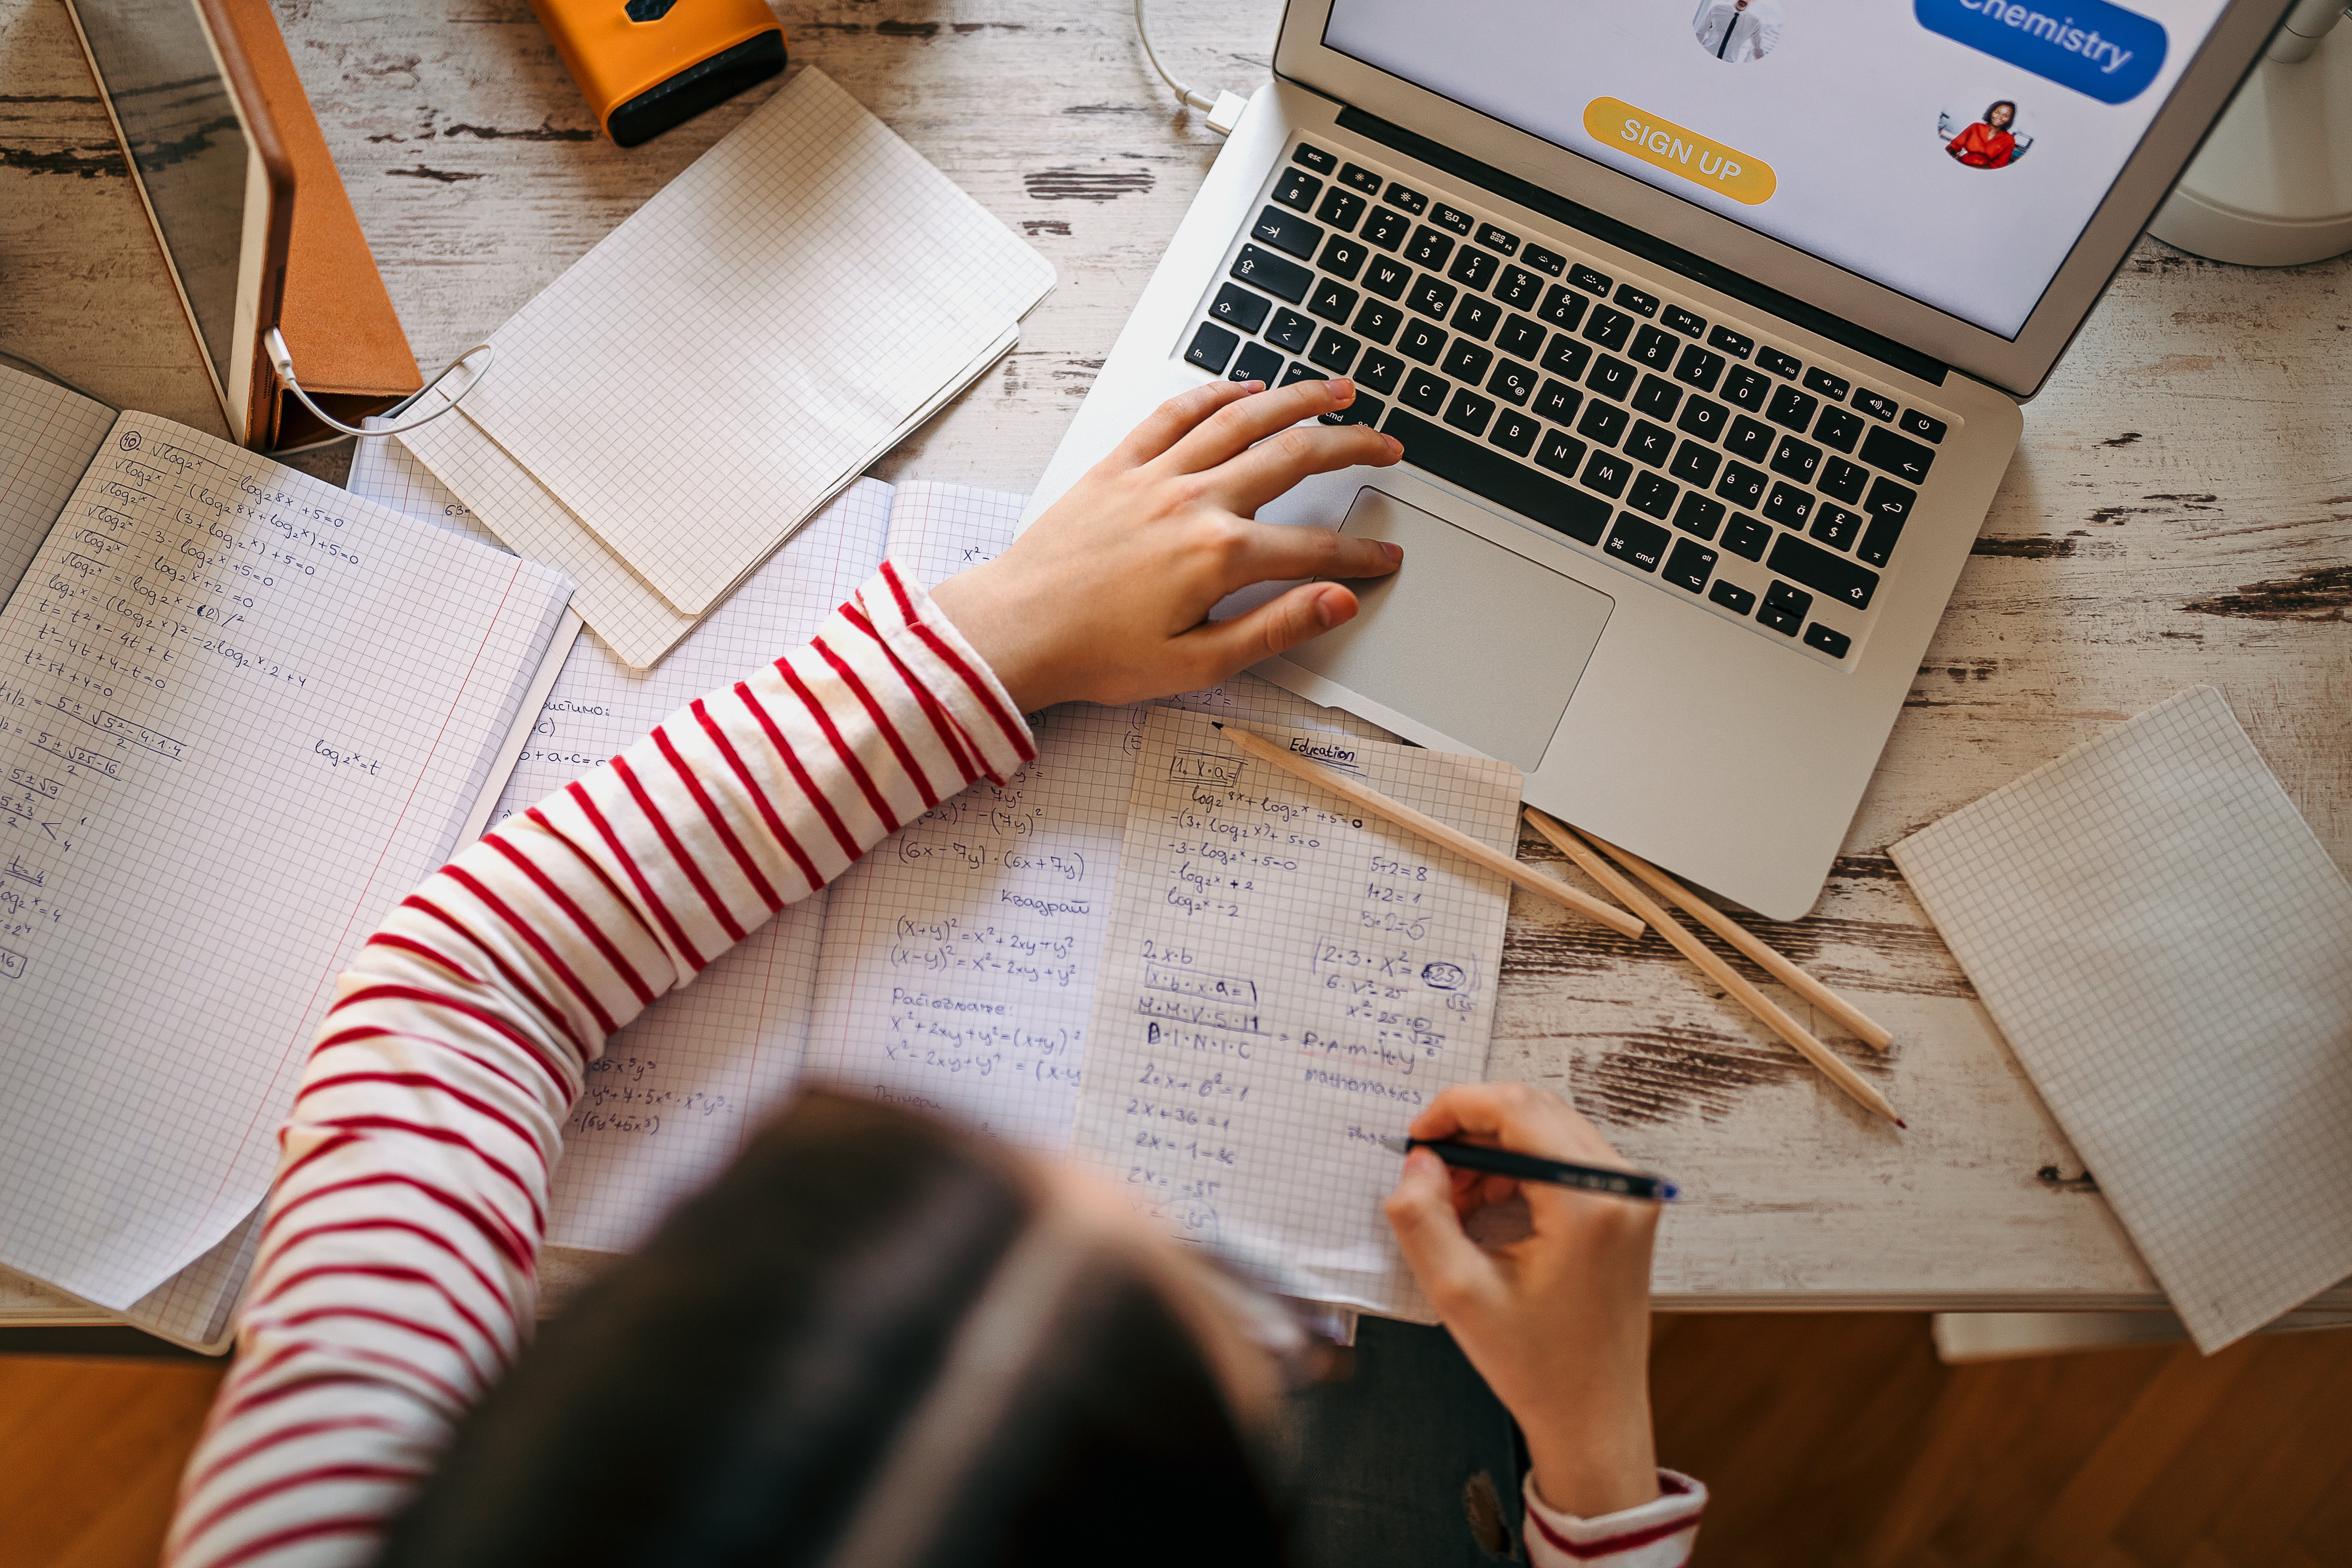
(1993, 140)
(1737, 30)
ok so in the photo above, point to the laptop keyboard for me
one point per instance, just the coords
(1688, 451)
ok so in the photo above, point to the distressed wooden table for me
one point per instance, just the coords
(2180, 511)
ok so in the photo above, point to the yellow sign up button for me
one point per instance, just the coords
(1701, 160)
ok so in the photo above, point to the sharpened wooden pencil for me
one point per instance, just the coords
(1437, 832)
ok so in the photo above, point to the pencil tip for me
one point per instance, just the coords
(1215, 724)
(1902, 1124)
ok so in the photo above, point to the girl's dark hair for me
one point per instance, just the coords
(2008, 103)
(863, 1345)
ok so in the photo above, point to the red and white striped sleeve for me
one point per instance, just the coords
(395, 1278)
(1660, 1533)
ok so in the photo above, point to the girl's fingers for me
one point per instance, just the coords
(1244, 422)
(1278, 553)
(1168, 423)
(1271, 467)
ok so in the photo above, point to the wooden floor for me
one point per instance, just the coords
(1827, 1440)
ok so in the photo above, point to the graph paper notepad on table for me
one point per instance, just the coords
(1286, 981)
(772, 321)
(2168, 949)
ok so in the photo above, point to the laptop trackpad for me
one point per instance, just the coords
(1468, 637)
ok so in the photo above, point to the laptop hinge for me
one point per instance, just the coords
(1625, 236)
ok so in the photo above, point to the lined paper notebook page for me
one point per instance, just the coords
(245, 712)
(752, 337)
(47, 437)
(2168, 949)
(1285, 981)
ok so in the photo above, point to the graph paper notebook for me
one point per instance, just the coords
(780, 314)
(2167, 948)
(242, 712)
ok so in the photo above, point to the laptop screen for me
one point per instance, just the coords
(1950, 150)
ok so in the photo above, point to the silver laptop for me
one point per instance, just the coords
(1704, 327)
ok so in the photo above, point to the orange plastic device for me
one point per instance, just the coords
(647, 64)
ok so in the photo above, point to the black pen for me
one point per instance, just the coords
(1536, 1168)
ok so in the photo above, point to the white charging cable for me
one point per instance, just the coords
(281, 360)
(1224, 110)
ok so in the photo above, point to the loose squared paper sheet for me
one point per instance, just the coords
(242, 712)
(702, 381)
(1287, 980)
(47, 437)
(2168, 949)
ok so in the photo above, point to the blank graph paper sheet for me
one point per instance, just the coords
(2168, 949)
(1285, 981)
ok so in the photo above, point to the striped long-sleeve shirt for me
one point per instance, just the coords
(396, 1277)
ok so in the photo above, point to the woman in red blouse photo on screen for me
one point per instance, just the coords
(1988, 143)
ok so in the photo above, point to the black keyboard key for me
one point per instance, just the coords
(1333, 350)
(1606, 472)
(1512, 382)
(1494, 238)
(1796, 460)
(1378, 321)
(1239, 309)
(1704, 418)
(1385, 228)
(1314, 158)
(1789, 506)
(1832, 576)
(1378, 371)
(1343, 257)
(1424, 391)
(1654, 348)
(1467, 361)
(1562, 308)
(1879, 540)
(1743, 535)
(1544, 261)
(1567, 357)
(1906, 460)
(1290, 330)
(1362, 411)
(1612, 377)
(1557, 400)
(1844, 480)
(1473, 268)
(1785, 597)
(1560, 452)
(1834, 644)
(1650, 443)
(1639, 544)
(1834, 387)
(1739, 345)
(1925, 427)
(1301, 371)
(1602, 422)
(1459, 222)
(1654, 493)
(1361, 178)
(1522, 337)
(1888, 498)
(1468, 411)
(1609, 328)
(1695, 464)
(1839, 428)
(1507, 483)
(1836, 527)
(1732, 597)
(1432, 297)
(1388, 278)
(1256, 363)
(1297, 188)
(1212, 347)
(1412, 201)
(1340, 208)
(1636, 301)
(1284, 232)
(1518, 287)
(1285, 280)
(1779, 619)
(1792, 408)
(1779, 364)
(1748, 439)
(1698, 515)
(1690, 566)
(1699, 367)
(1421, 340)
(1428, 248)
(1741, 485)
(1475, 317)
(1516, 432)
(1877, 405)
(1748, 389)
(1332, 299)
(1658, 397)
(1591, 281)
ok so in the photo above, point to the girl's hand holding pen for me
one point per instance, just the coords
(1557, 1322)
